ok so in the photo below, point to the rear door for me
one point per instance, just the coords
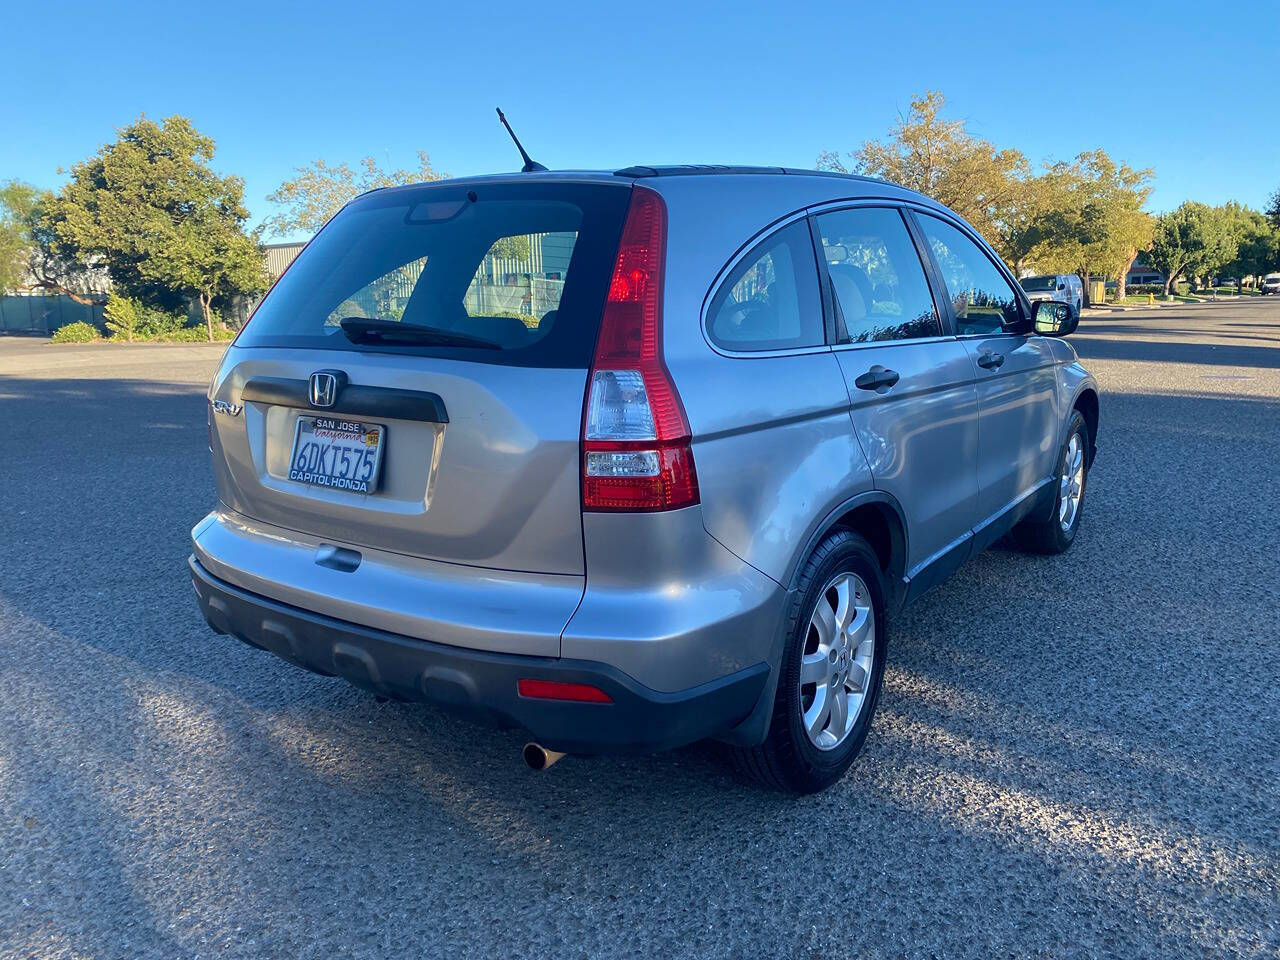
(911, 390)
(470, 319)
(1015, 370)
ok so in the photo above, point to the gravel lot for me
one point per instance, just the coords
(1076, 756)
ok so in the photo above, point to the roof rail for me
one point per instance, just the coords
(695, 169)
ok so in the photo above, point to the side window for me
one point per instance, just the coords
(771, 300)
(876, 276)
(983, 300)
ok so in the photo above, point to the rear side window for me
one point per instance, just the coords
(984, 301)
(510, 273)
(876, 276)
(770, 301)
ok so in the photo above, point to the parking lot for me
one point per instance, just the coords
(1075, 756)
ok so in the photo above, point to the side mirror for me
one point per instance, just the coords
(1062, 286)
(1053, 319)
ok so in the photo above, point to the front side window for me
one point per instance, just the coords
(983, 299)
(876, 275)
(771, 300)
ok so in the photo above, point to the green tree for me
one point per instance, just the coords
(941, 159)
(27, 258)
(1273, 210)
(1257, 243)
(1084, 216)
(1187, 240)
(167, 227)
(16, 200)
(318, 191)
(1097, 224)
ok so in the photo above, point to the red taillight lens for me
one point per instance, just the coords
(636, 451)
(559, 690)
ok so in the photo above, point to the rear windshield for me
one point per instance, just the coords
(511, 273)
(1038, 284)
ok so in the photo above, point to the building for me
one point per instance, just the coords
(279, 256)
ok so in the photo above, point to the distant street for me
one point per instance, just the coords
(1075, 756)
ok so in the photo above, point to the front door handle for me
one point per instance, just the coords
(991, 361)
(877, 378)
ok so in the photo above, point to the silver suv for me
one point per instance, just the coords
(632, 459)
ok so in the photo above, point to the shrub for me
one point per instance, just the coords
(198, 334)
(78, 332)
(123, 317)
(158, 325)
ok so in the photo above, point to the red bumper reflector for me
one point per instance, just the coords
(557, 690)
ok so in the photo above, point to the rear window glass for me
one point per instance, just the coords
(501, 273)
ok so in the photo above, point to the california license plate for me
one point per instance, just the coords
(340, 454)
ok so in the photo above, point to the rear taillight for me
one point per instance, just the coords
(636, 452)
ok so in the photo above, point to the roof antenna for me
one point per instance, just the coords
(530, 165)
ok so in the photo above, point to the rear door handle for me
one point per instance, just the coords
(877, 378)
(991, 361)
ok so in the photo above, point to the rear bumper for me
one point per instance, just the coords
(482, 684)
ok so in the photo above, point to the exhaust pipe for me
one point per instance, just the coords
(538, 757)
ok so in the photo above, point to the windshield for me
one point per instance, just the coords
(501, 273)
(1038, 284)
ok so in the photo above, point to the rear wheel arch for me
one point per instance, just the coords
(876, 517)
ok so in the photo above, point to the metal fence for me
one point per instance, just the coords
(43, 315)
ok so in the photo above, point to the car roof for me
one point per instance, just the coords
(841, 184)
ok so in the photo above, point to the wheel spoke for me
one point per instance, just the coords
(839, 712)
(814, 668)
(824, 620)
(844, 602)
(857, 679)
(861, 627)
(815, 718)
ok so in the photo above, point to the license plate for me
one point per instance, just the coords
(339, 454)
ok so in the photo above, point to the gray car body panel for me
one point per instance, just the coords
(496, 486)
(478, 539)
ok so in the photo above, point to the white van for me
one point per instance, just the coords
(1063, 287)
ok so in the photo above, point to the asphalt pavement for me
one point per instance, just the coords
(1075, 756)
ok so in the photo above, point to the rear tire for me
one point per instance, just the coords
(807, 757)
(1056, 532)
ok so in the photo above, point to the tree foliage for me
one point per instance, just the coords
(941, 159)
(1190, 240)
(28, 260)
(317, 191)
(166, 226)
(1273, 210)
(1095, 223)
(1081, 216)
(16, 200)
(1257, 243)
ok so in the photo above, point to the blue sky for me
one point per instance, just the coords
(1166, 86)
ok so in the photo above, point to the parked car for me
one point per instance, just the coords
(1062, 287)
(678, 494)
(1270, 284)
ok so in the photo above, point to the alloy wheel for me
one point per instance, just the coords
(836, 665)
(1071, 486)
